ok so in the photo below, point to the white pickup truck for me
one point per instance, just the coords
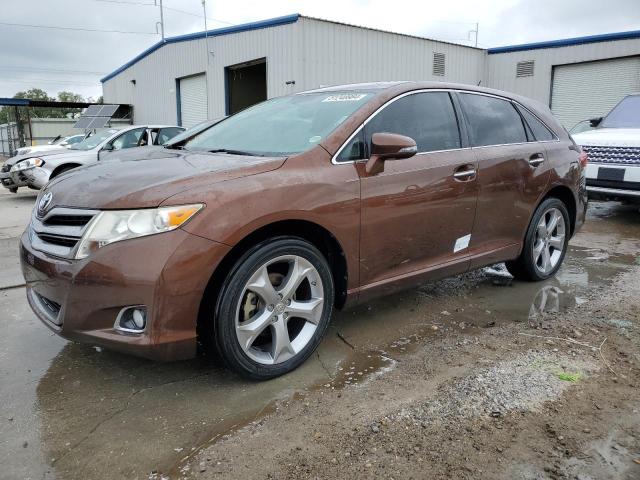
(613, 149)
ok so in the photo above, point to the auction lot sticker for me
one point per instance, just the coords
(345, 97)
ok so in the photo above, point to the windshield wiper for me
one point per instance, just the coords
(233, 152)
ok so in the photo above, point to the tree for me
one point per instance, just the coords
(42, 112)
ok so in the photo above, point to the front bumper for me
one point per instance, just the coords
(606, 181)
(36, 177)
(12, 180)
(80, 299)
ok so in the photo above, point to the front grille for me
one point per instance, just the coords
(59, 231)
(617, 155)
(58, 240)
(75, 220)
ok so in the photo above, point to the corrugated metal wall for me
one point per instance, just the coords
(501, 68)
(154, 93)
(587, 90)
(310, 52)
(335, 53)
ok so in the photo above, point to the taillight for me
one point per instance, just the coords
(583, 158)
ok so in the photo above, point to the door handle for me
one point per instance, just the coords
(536, 159)
(465, 172)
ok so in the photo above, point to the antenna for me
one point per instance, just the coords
(161, 22)
(475, 32)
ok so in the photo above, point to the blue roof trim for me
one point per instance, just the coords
(14, 102)
(567, 42)
(272, 22)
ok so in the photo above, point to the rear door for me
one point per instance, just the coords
(418, 213)
(512, 174)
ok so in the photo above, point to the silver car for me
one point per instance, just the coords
(57, 144)
(35, 170)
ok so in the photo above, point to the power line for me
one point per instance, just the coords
(127, 3)
(196, 15)
(74, 28)
(123, 2)
(47, 80)
(49, 70)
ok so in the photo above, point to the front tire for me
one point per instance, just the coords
(545, 244)
(274, 308)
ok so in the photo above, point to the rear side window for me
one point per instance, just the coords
(540, 132)
(165, 134)
(492, 121)
(428, 118)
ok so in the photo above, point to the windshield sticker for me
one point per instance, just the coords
(345, 97)
(315, 139)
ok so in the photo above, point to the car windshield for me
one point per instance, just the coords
(282, 126)
(625, 114)
(94, 140)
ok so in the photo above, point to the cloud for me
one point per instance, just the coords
(33, 57)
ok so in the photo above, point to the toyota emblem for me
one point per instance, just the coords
(45, 201)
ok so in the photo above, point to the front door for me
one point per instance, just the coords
(417, 215)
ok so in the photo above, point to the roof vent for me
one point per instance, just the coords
(438, 64)
(525, 69)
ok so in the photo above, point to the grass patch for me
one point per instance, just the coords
(569, 377)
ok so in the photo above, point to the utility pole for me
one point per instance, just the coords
(206, 51)
(161, 22)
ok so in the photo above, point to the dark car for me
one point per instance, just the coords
(245, 237)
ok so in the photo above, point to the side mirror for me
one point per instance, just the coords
(108, 147)
(594, 122)
(389, 146)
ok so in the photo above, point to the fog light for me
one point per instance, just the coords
(132, 319)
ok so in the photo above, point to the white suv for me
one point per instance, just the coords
(613, 148)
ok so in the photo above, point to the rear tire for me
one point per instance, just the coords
(273, 308)
(545, 244)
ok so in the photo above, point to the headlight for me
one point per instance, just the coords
(27, 164)
(115, 225)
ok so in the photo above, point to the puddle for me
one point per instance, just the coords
(97, 411)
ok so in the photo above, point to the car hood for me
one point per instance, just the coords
(605, 137)
(148, 181)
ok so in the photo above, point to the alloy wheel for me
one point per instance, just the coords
(279, 310)
(549, 242)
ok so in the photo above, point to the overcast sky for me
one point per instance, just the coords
(56, 59)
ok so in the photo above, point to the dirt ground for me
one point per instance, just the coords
(554, 397)
(474, 377)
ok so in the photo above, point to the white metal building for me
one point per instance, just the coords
(190, 78)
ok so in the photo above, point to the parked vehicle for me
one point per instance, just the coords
(613, 147)
(55, 145)
(248, 235)
(35, 171)
(154, 151)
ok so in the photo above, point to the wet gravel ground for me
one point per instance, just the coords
(450, 380)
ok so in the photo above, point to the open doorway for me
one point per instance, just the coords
(246, 84)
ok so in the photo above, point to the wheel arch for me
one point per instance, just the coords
(63, 168)
(565, 195)
(312, 232)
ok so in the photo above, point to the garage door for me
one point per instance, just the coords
(193, 100)
(587, 90)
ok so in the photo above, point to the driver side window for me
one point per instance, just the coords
(129, 139)
(429, 118)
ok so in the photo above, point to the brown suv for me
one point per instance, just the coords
(247, 235)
